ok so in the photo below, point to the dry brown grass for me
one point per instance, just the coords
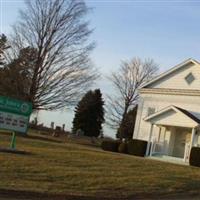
(77, 170)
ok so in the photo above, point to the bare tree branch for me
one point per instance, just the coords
(59, 33)
(126, 83)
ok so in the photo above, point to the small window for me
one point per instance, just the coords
(189, 78)
(150, 111)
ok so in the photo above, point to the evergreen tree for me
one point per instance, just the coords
(16, 76)
(89, 114)
(127, 126)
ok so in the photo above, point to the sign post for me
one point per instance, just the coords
(14, 116)
(13, 141)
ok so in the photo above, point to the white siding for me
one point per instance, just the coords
(176, 80)
(142, 128)
(172, 118)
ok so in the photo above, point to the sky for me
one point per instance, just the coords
(167, 31)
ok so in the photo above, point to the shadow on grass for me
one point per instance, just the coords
(28, 195)
(14, 151)
(6, 194)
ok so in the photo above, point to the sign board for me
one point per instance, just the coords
(14, 114)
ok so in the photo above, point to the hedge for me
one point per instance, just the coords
(195, 156)
(122, 147)
(110, 145)
(134, 147)
(137, 147)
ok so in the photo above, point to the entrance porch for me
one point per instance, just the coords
(175, 135)
(172, 141)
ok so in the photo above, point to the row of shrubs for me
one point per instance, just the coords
(195, 156)
(138, 148)
(133, 147)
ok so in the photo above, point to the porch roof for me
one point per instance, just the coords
(189, 114)
(181, 117)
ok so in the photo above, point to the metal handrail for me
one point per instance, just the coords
(159, 144)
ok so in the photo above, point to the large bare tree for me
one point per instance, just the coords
(3, 48)
(126, 83)
(59, 33)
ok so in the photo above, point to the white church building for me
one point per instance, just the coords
(168, 114)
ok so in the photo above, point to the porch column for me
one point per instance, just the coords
(149, 140)
(187, 151)
(192, 137)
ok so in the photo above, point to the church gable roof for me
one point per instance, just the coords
(170, 72)
(185, 112)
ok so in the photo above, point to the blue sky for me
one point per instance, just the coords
(167, 31)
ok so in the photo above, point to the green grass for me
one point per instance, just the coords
(72, 169)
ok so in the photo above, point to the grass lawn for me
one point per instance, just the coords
(56, 170)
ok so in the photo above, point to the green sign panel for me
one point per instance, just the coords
(14, 114)
(15, 106)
